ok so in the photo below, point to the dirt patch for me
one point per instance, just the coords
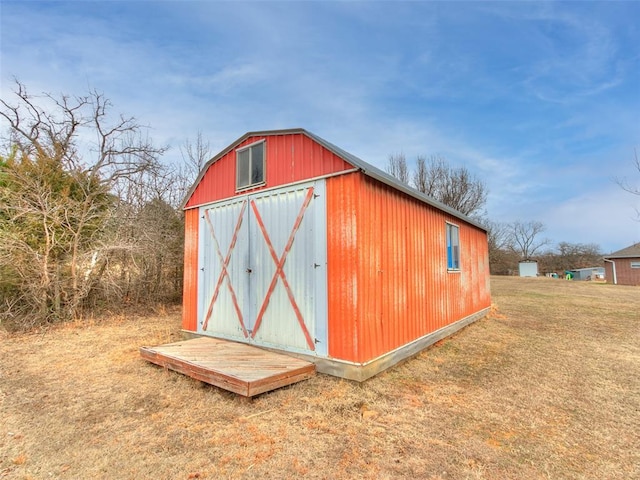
(547, 387)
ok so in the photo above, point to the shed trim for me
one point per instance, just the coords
(360, 164)
(251, 191)
(363, 371)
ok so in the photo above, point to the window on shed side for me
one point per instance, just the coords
(250, 166)
(453, 247)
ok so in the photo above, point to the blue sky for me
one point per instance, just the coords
(539, 100)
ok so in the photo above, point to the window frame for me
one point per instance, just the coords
(249, 148)
(453, 255)
(634, 264)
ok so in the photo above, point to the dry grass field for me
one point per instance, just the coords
(547, 387)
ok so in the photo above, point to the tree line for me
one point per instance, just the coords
(89, 215)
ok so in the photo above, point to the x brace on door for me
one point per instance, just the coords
(279, 268)
(224, 262)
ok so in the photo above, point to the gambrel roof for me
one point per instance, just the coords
(366, 168)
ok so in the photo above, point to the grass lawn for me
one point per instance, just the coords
(547, 387)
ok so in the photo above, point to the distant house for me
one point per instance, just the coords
(623, 267)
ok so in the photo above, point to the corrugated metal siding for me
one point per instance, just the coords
(190, 288)
(242, 295)
(386, 281)
(387, 273)
(290, 311)
(342, 265)
(223, 293)
(289, 159)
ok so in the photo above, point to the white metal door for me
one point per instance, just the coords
(223, 260)
(269, 267)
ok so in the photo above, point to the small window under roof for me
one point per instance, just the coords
(250, 169)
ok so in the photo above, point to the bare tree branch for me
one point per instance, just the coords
(455, 187)
(524, 238)
(626, 184)
(60, 202)
(397, 167)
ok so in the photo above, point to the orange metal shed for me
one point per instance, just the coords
(347, 266)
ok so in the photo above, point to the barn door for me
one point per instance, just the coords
(223, 259)
(269, 269)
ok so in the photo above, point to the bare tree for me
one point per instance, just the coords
(421, 180)
(151, 230)
(626, 185)
(455, 187)
(524, 238)
(58, 197)
(195, 154)
(397, 167)
(568, 256)
(498, 243)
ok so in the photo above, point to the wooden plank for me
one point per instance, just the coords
(237, 367)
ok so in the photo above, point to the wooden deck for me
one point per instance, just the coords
(237, 367)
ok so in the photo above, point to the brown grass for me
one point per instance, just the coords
(547, 387)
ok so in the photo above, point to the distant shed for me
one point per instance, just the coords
(528, 268)
(295, 245)
(592, 273)
(623, 267)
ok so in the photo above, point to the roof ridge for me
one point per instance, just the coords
(630, 251)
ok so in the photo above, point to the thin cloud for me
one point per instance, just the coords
(593, 216)
(538, 99)
(227, 79)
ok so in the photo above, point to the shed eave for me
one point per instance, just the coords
(391, 181)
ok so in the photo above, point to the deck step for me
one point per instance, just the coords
(244, 369)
